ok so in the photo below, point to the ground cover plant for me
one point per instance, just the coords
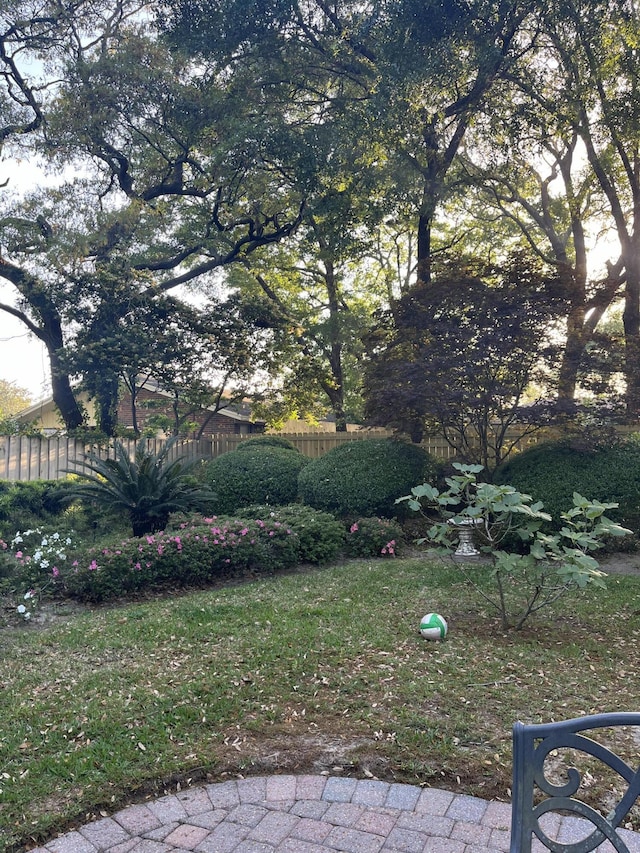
(306, 672)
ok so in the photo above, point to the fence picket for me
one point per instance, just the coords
(35, 457)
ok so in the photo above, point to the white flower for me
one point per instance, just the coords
(44, 542)
(21, 609)
(67, 541)
(37, 556)
(55, 537)
(30, 594)
(44, 564)
(17, 539)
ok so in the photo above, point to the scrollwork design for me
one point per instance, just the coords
(603, 829)
(560, 795)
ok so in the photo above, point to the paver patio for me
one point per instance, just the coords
(309, 814)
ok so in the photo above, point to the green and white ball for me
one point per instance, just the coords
(433, 626)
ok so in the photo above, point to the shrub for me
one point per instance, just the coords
(320, 536)
(197, 552)
(553, 472)
(30, 565)
(32, 503)
(258, 475)
(364, 477)
(374, 537)
(261, 441)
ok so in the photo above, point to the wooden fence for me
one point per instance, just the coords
(37, 458)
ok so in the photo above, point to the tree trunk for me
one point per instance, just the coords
(49, 331)
(335, 391)
(631, 321)
(107, 405)
(423, 266)
(571, 360)
(62, 393)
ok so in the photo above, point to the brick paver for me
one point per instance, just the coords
(310, 814)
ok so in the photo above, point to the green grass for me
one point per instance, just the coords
(304, 672)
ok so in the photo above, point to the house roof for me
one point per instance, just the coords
(36, 409)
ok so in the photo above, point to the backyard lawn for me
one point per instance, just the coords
(316, 670)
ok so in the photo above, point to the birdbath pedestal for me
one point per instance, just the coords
(466, 550)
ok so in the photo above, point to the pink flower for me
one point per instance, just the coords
(244, 531)
(138, 567)
(55, 571)
(93, 566)
(18, 555)
(354, 528)
(389, 548)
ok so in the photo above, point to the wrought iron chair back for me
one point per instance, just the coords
(531, 746)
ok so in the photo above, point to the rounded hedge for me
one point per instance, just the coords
(364, 477)
(259, 475)
(260, 441)
(552, 472)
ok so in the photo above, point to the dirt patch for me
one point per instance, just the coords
(621, 564)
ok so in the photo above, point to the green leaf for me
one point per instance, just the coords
(426, 490)
(468, 469)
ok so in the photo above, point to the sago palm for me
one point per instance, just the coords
(148, 487)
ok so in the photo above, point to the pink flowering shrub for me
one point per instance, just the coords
(374, 537)
(195, 552)
(320, 534)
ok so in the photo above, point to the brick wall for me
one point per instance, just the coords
(161, 405)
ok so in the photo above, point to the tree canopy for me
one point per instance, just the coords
(234, 194)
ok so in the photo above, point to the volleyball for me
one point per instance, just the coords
(433, 627)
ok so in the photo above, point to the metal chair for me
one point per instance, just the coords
(531, 747)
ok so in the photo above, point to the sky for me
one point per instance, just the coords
(23, 358)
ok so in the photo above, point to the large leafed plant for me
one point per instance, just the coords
(529, 568)
(148, 487)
